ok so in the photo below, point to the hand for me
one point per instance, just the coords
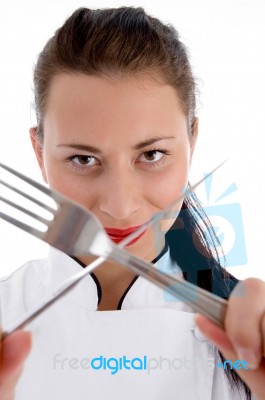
(13, 351)
(243, 337)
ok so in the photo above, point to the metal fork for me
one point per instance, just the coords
(75, 231)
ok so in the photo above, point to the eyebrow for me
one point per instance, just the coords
(95, 150)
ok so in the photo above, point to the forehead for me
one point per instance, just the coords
(135, 105)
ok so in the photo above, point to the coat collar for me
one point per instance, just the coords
(139, 294)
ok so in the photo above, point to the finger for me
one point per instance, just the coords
(214, 333)
(255, 379)
(245, 312)
(263, 334)
(15, 349)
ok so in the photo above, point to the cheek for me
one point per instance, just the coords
(68, 184)
(71, 186)
(171, 188)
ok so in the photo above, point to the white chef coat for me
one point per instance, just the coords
(78, 352)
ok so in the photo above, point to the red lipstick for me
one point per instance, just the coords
(117, 235)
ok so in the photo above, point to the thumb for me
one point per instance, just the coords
(14, 350)
(255, 379)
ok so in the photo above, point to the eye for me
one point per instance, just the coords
(80, 161)
(152, 156)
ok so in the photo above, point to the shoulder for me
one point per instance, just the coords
(19, 289)
(32, 282)
(28, 272)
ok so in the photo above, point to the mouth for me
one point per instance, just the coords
(117, 235)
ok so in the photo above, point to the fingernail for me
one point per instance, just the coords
(248, 355)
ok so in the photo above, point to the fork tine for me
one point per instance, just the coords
(39, 203)
(24, 210)
(56, 196)
(21, 225)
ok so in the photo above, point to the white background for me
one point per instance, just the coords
(226, 41)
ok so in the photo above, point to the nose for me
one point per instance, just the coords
(121, 197)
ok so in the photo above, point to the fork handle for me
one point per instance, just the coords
(202, 301)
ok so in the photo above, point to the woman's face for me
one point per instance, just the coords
(118, 146)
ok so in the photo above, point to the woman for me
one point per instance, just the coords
(117, 127)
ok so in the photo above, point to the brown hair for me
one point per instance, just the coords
(123, 42)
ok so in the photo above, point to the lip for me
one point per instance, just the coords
(122, 232)
(117, 235)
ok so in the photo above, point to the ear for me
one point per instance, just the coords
(38, 149)
(194, 136)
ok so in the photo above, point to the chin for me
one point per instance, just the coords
(147, 249)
